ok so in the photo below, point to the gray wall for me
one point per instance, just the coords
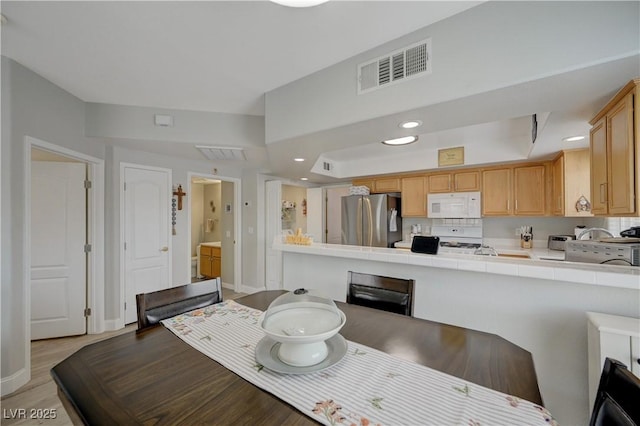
(31, 106)
(212, 193)
(227, 225)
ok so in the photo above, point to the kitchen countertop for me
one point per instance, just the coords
(534, 267)
(510, 247)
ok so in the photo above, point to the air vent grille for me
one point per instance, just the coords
(222, 152)
(416, 59)
(400, 65)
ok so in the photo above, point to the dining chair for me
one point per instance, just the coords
(162, 304)
(379, 292)
(618, 398)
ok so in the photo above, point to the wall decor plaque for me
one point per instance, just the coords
(451, 156)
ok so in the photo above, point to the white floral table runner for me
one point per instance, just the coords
(366, 387)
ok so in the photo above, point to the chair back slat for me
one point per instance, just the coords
(155, 306)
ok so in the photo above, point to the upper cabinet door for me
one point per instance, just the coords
(391, 184)
(529, 190)
(414, 196)
(557, 202)
(620, 153)
(440, 183)
(598, 150)
(496, 192)
(466, 181)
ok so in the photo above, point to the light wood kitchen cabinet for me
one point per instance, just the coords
(379, 185)
(497, 192)
(369, 183)
(390, 184)
(518, 191)
(463, 181)
(414, 196)
(614, 149)
(529, 191)
(571, 176)
(210, 261)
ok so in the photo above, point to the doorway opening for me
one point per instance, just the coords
(214, 249)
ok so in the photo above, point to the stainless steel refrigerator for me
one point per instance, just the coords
(371, 220)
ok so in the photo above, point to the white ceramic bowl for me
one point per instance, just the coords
(302, 328)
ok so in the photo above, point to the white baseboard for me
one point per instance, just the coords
(113, 325)
(250, 290)
(14, 382)
(228, 286)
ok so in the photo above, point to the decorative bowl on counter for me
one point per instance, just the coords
(301, 323)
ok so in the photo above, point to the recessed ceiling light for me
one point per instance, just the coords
(573, 138)
(299, 159)
(401, 141)
(304, 178)
(299, 3)
(412, 124)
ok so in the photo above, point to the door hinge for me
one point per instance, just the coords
(125, 186)
(87, 184)
(87, 312)
(125, 246)
(125, 306)
(87, 248)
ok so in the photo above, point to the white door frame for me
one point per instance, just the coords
(237, 228)
(123, 295)
(95, 235)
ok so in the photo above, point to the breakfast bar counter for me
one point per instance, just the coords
(540, 305)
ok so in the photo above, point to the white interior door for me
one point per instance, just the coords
(273, 201)
(58, 260)
(147, 233)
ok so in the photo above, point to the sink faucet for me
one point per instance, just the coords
(590, 231)
(486, 251)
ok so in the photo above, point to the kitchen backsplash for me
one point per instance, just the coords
(505, 227)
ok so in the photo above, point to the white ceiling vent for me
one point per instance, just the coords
(403, 64)
(222, 152)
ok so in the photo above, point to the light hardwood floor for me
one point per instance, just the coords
(40, 393)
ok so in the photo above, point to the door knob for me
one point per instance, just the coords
(165, 248)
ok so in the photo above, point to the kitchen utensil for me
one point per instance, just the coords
(631, 232)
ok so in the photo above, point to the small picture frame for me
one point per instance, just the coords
(227, 208)
(451, 156)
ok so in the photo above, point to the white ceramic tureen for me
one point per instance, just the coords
(302, 322)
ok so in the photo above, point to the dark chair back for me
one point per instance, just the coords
(383, 293)
(158, 305)
(618, 398)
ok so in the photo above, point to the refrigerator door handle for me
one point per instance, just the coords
(359, 222)
(369, 223)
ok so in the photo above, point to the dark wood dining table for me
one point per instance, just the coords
(153, 377)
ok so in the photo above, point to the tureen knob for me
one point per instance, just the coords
(300, 291)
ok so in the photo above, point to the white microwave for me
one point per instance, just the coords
(454, 205)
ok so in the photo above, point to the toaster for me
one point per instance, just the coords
(557, 242)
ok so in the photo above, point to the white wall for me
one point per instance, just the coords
(227, 231)
(488, 47)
